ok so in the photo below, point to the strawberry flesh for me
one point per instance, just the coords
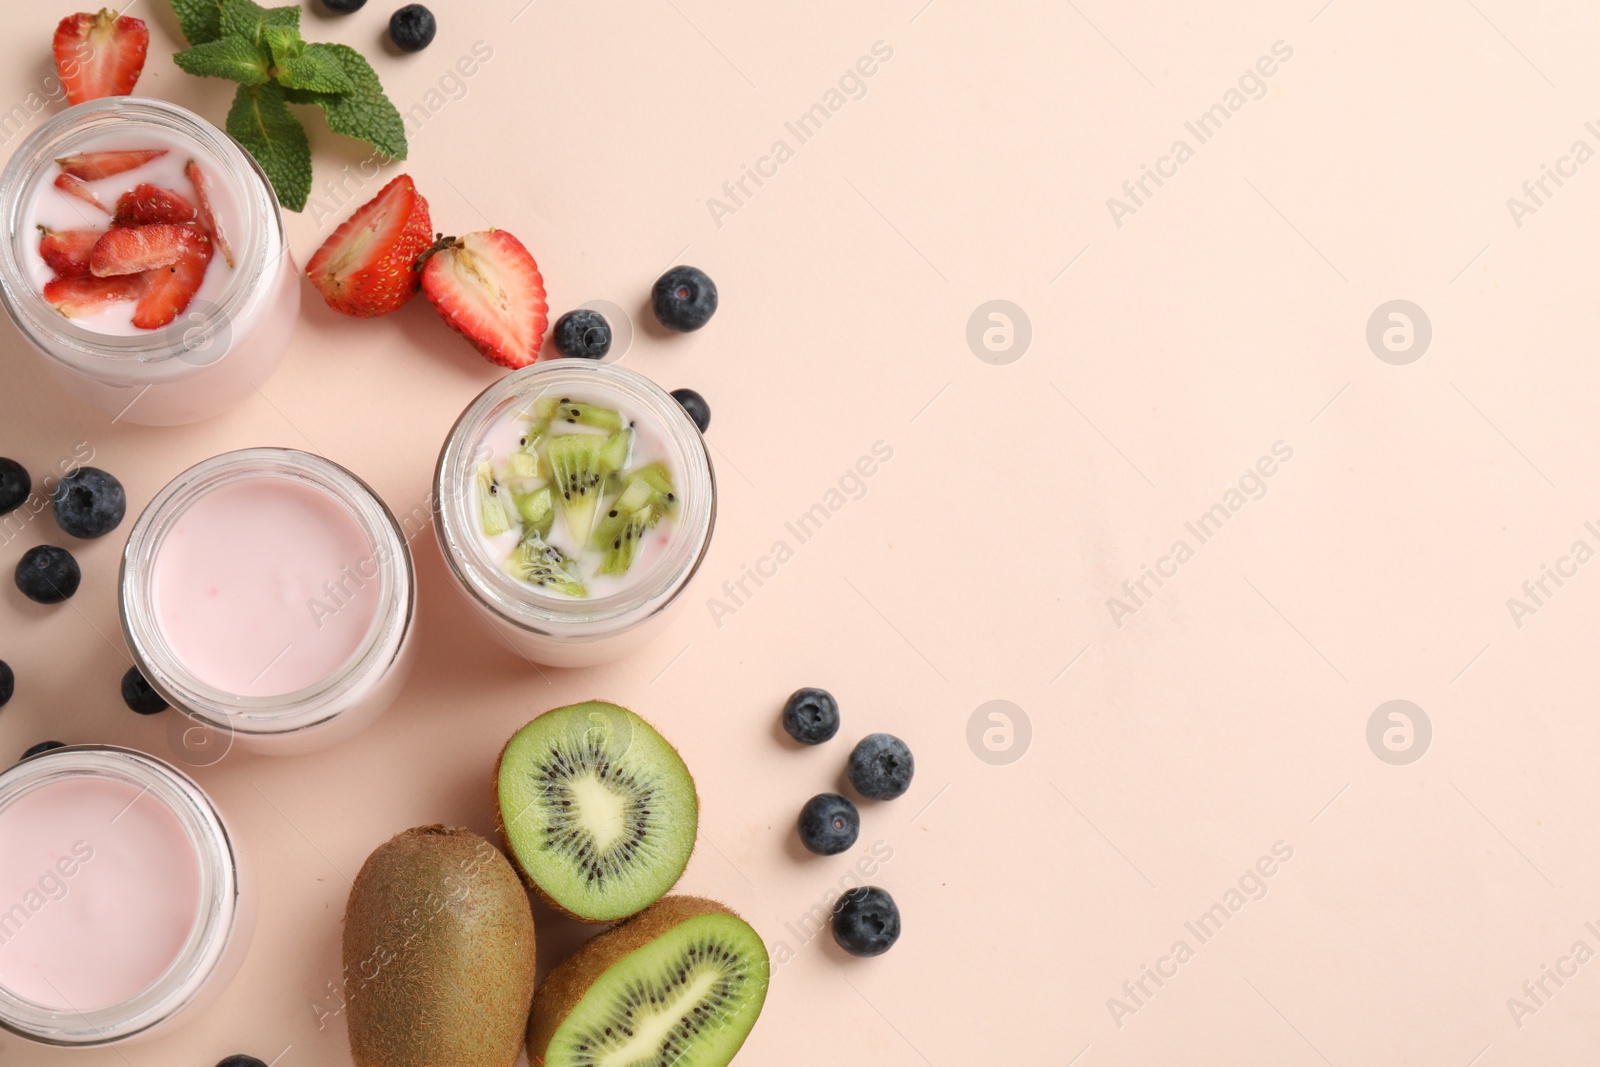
(67, 251)
(79, 188)
(145, 204)
(168, 290)
(136, 249)
(208, 217)
(368, 267)
(75, 297)
(99, 55)
(92, 166)
(488, 288)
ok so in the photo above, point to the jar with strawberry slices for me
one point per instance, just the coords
(145, 258)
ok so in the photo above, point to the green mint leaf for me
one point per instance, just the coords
(233, 58)
(200, 20)
(261, 122)
(317, 69)
(363, 112)
(248, 19)
(283, 42)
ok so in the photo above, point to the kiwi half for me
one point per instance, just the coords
(597, 809)
(680, 985)
(438, 954)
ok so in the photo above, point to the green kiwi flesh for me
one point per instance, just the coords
(438, 954)
(540, 563)
(680, 985)
(578, 473)
(491, 502)
(598, 810)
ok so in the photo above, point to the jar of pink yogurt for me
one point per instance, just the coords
(269, 595)
(223, 339)
(125, 904)
(557, 591)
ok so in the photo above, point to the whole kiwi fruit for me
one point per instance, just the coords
(438, 953)
(682, 982)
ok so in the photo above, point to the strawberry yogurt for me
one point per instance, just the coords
(194, 323)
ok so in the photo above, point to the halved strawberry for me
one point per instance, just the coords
(168, 290)
(92, 166)
(67, 251)
(489, 290)
(369, 266)
(74, 297)
(208, 218)
(99, 55)
(79, 188)
(145, 204)
(136, 249)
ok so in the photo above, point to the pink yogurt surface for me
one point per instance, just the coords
(264, 586)
(99, 889)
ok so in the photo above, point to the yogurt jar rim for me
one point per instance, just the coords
(256, 199)
(455, 497)
(216, 860)
(311, 705)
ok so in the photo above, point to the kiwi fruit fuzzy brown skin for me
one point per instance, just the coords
(565, 986)
(505, 841)
(438, 954)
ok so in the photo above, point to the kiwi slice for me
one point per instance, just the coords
(538, 509)
(617, 534)
(680, 985)
(491, 502)
(577, 470)
(597, 809)
(565, 409)
(539, 563)
(522, 465)
(615, 453)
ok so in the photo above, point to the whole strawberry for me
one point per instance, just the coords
(488, 288)
(369, 266)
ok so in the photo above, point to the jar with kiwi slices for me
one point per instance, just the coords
(574, 503)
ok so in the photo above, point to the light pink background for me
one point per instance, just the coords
(1168, 354)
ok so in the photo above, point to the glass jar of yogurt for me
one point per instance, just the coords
(125, 903)
(269, 594)
(574, 502)
(146, 347)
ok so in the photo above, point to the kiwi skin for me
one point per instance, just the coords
(563, 987)
(505, 839)
(438, 954)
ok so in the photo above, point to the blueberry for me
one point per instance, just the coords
(47, 574)
(866, 922)
(89, 502)
(881, 767)
(583, 334)
(684, 299)
(829, 824)
(138, 695)
(8, 683)
(811, 716)
(696, 406)
(42, 746)
(241, 1060)
(15, 485)
(343, 7)
(412, 28)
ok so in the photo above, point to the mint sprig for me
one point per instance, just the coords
(261, 49)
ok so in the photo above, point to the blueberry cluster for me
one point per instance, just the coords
(866, 921)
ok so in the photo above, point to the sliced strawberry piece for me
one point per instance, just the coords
(67, 251)
(79, 188)
(76, 297)
(489, 290)
(369, 266)
(92, 166)
(168, 290)
(99, 55)
(136, 249)
(145, 204)
(208, 218)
